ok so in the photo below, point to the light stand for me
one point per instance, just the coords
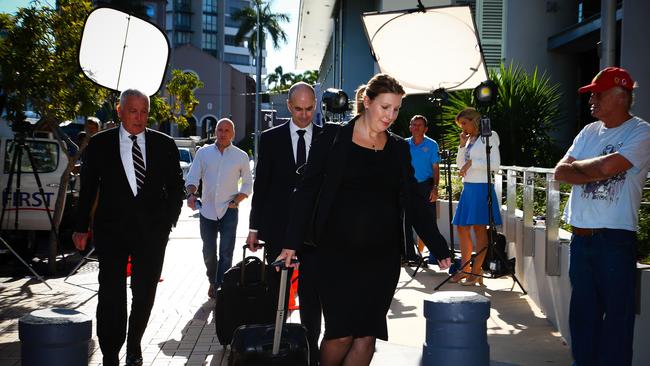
(21, 146)
(485, 94)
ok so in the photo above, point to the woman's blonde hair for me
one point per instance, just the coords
(470, 113)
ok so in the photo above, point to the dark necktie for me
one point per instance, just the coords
(138, 163)
(301, 152)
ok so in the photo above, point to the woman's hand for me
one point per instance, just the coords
(463, 138)
(465, 168)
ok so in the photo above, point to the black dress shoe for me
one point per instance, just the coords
(132, 360)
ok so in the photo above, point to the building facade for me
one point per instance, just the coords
(209, 26)
(558, 37)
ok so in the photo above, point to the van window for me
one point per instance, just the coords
(45, 153)
(185, 155)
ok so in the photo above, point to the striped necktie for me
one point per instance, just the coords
(138, 163)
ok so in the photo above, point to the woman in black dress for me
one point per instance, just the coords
(357, 180)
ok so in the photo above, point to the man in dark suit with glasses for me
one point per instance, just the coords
(283, 152)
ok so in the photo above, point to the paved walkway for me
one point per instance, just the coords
(182, 332)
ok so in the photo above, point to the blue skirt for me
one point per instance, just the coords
(472, 207)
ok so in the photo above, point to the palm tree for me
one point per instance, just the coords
(280, 80)
(526, 112)
(269, 21)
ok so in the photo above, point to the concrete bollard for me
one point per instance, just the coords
(55, 337)
(456, 332)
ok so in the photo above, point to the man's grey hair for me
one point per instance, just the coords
(133, 93)
(225, 120)
(300, 85)
(629, 96)
(95, 121)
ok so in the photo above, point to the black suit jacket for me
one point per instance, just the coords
(154, 210)
(275, 180)
(322, 178)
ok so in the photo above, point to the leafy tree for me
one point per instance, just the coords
(281, 81)
(39, 68)
(269, 22)
(524, 114)
(180, 91)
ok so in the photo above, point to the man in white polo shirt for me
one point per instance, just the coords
(219, 166)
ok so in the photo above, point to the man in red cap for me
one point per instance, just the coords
(607, 166)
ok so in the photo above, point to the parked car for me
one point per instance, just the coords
(186, 157)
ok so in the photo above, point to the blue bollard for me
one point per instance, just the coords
(54, 337)
(456, 332)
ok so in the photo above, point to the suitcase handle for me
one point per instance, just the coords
(244, 262)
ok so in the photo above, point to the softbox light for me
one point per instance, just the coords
(427, 49)
(120, 51)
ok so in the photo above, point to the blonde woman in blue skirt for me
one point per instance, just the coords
(472, 211)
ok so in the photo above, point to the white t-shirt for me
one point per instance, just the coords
(612, 203)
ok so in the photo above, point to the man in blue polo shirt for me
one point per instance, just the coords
(424, 159)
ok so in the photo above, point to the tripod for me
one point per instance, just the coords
(20, 147)
(485, 133)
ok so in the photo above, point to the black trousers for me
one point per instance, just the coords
(147, 253)
(310, 306)
(423, 190)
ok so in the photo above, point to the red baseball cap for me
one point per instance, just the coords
(608, 78)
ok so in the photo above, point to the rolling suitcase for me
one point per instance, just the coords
(243, 298)
(268, 344)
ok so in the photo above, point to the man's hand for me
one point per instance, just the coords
(191, 202)
(444, 263)
(433, 196)
(252, 241)
(80, 240)
(287, 255)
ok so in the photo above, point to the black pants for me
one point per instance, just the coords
(310, 306)
(147, 252)
(424, 190)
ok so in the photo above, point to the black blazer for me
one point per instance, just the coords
(275, 180)
(155, 209)
(323, 174)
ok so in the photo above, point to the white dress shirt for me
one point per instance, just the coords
(294, 138)
(126, 152)
(220, 173)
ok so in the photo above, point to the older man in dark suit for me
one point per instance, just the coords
(135, 176)
(282, 154)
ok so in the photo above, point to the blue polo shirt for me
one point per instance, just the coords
(423, 156)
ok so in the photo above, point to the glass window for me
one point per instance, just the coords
(209, 22)
(236, 59)
(209, 41)
(230, 41)
(182, 38)
(45, 153)
(183, 20)
(210, 6)
(185, 155)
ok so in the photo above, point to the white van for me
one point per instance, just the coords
(28, 205)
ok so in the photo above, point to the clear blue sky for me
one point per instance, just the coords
(284, 56)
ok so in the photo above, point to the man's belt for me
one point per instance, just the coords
(585, 232)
